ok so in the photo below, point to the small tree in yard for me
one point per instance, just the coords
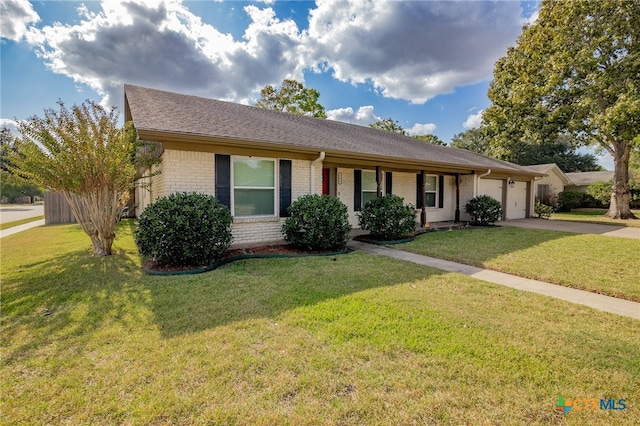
(83, 154)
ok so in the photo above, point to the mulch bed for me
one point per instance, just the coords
(276, 249)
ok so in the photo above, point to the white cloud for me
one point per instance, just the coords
(405, 49)
(16, 17)
(420, 129)
(473, 120)
(411, 50)
(9, 124)
(163, 45)
(363, 117)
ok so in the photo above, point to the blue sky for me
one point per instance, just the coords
(426, 64)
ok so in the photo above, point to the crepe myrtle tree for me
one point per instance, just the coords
(82, 153)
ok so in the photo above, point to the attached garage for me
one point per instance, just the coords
(517, 201)
(492, 188)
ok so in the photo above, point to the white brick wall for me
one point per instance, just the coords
(187, 171)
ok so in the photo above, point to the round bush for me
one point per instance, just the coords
(484, 210)
(184, 229)
(317, 222)
(388, 218)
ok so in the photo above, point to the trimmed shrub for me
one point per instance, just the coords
(388, 218)
(569, 200)
(484, 210)
(542, 210)
(317, 222)
(184, 229)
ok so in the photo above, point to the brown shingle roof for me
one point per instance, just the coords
(587, 178)
(156, 112)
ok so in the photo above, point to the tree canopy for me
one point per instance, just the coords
(83, 154)
(574, 72)
(430, 138)
(293, 97)
(388, 124)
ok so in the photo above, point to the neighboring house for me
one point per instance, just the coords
(552, 184)
(258, 161)
(580, 181)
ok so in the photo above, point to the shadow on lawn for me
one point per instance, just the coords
(69, 296)
(265, 288)
(74, 296)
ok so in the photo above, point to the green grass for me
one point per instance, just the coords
(597, 216)
(596, 263)
(19, 222)
(356, 340)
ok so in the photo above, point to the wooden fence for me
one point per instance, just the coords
(56, 209)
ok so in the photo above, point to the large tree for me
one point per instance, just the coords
(388, 124)
(574, 72)
(430, 138)
(82, 153)
(292, 97)
(475, 140)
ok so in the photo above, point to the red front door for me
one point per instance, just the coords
(325, 181)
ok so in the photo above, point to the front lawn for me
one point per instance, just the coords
(596, 216)
(355, 339)
(606, 265)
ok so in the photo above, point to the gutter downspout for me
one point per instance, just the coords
(313, 175)
(478, 181)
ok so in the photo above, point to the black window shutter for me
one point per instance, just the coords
(440, 192)
(285, 187)
(388, 184)
(357, 192)
(419, 193)
(223, 179)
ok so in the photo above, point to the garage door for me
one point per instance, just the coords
(492, 188)
(517, 201)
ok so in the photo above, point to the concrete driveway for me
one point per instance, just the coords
(576, 227)
(20, 211)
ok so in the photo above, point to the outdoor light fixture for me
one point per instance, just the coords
(512, 184)
(339, 178)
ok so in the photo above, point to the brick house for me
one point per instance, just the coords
(258, 161)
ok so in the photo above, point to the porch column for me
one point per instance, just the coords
(457, 213)
(423, 214)
(378, 182)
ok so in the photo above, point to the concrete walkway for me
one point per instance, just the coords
(576, 227)
(20, 228)
(593, 300)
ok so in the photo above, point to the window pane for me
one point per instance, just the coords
(253, 202)
(369, 181)
(368, 196)
(430, 183)
(253, 172)
(430, 199)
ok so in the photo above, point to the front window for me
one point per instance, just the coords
(369, 186)
(254, 187)
(430, 191)
(543, 192)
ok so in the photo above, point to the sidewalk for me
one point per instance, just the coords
(20, 228)
(576, 227)
(597, 301)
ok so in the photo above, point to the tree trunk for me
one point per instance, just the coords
(101, 246)
(620, 196)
